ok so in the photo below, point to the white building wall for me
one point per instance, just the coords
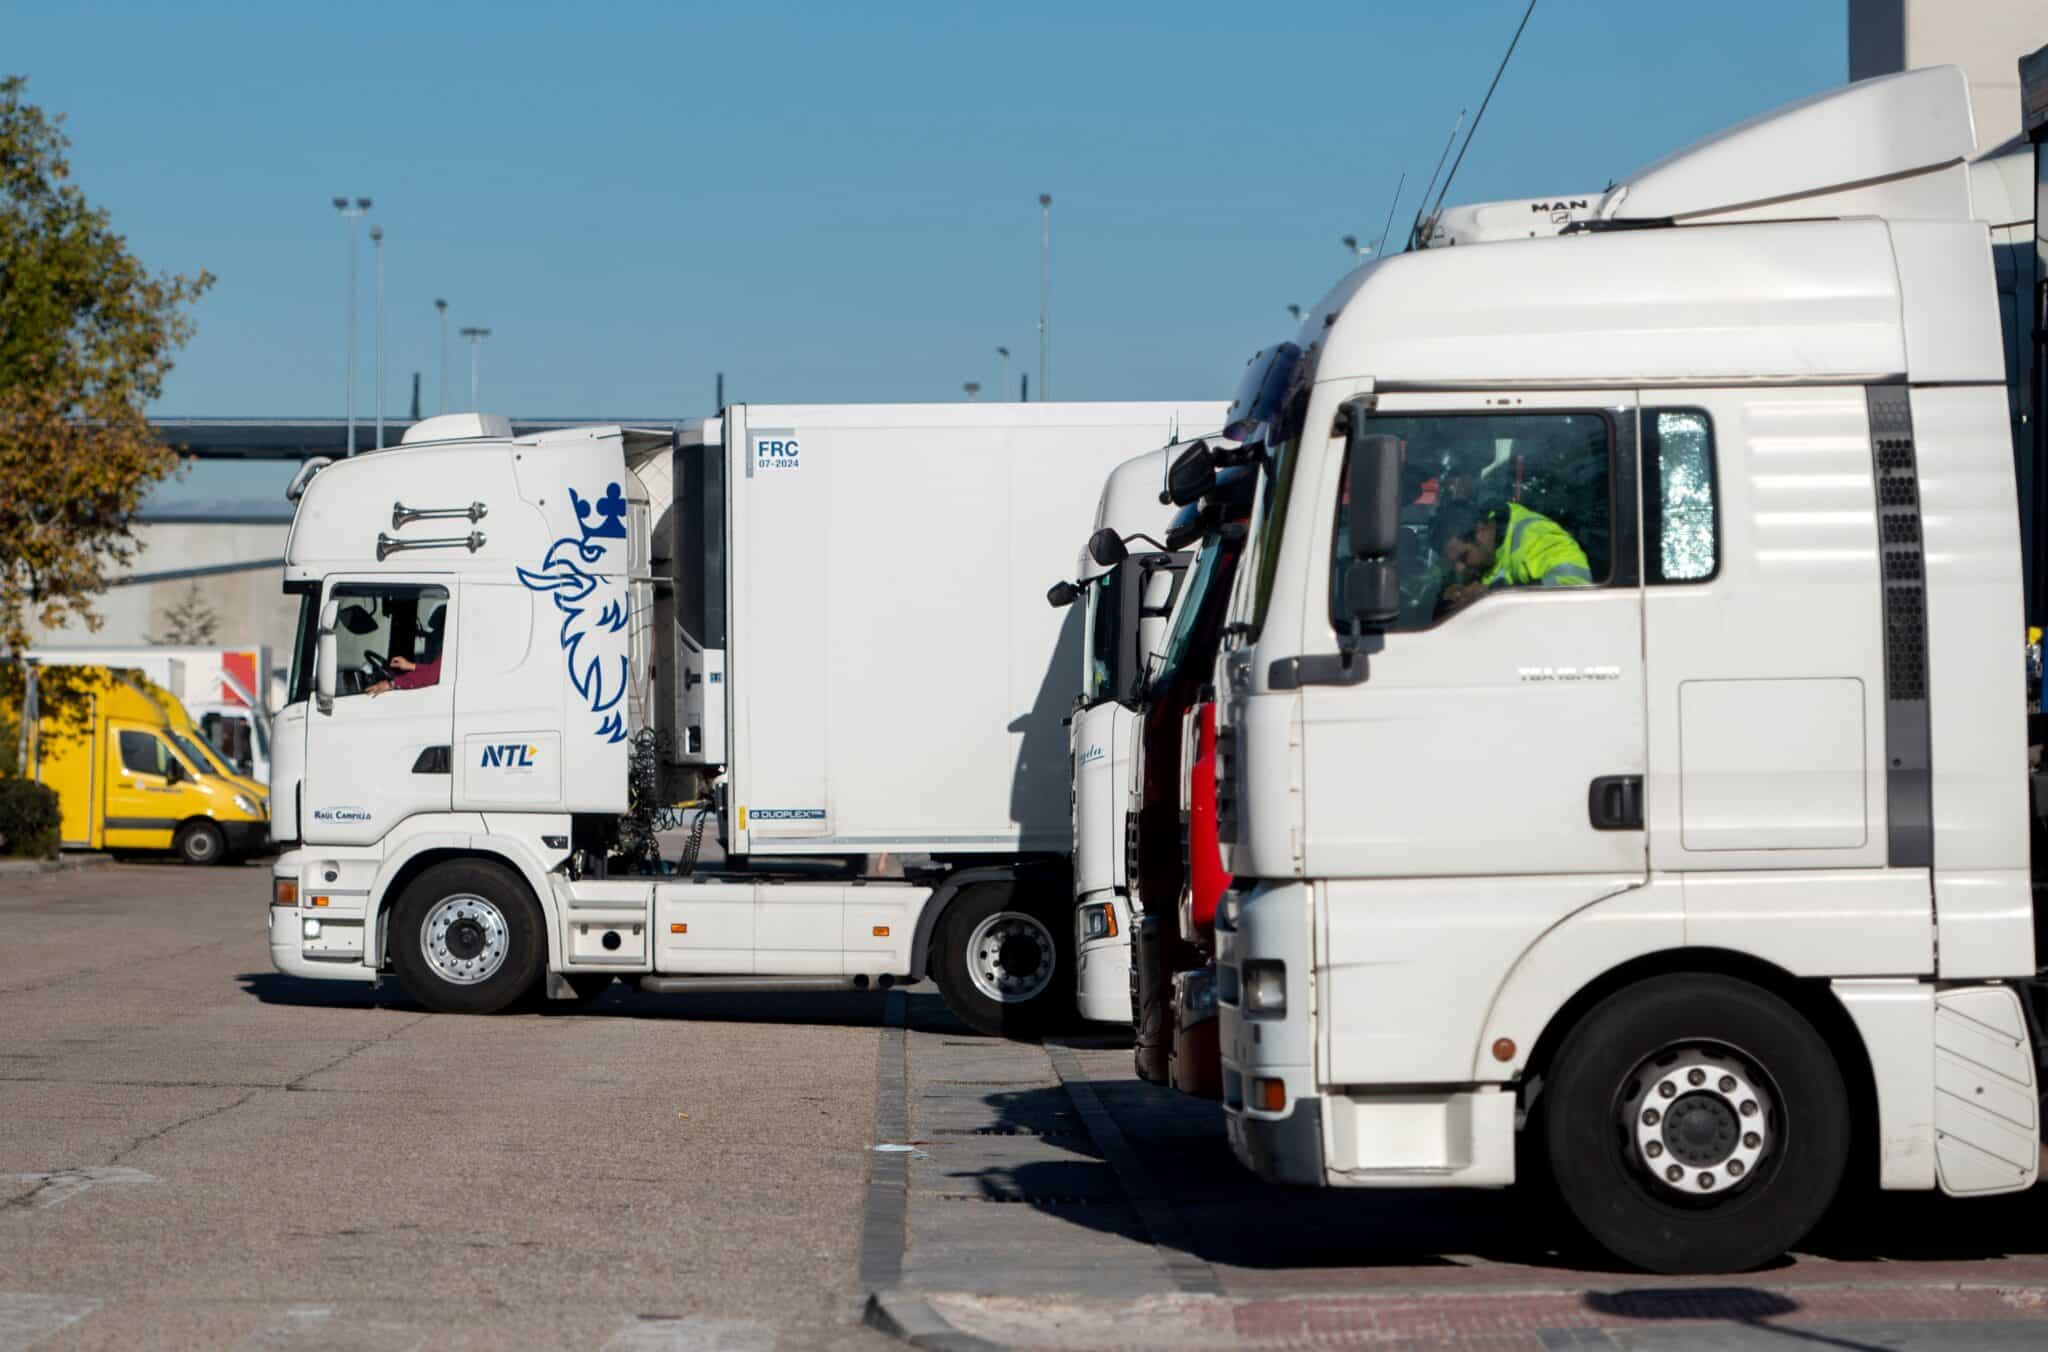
(247, 595)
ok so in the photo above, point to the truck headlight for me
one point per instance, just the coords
(247, 805)
(1098, 921)
(1265, 987)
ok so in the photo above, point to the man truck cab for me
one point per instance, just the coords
(1672, 887)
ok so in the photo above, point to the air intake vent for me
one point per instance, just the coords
(1908, 790)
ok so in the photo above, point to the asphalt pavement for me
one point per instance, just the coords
(195, 1151)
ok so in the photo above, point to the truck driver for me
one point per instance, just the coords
(1506, 545)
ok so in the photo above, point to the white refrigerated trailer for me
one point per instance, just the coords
(824, 625)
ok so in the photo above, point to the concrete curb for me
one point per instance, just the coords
(910, 1318)
(69, 863)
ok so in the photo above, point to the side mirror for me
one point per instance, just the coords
(1061, 595)
(1372, 592)
(325, 659)
(1192, 475)
(1374, 485)
(1106, 547)
(174, 773)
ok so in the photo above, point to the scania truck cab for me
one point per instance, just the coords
(1685, 881)
(521, 658)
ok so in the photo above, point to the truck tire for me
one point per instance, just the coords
(1004, 964)
(1694, 1123)
(467, 938)
(201, 842)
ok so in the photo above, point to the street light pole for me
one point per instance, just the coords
(350, 215)
(1045, 296)
(377, 242)
(476, 340)
(1003, 380)
(973, 387)
(442, 306)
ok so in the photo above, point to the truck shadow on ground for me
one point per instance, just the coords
(843, 1009)
(1230, 1219)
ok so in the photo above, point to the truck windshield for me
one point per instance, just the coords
(201, 756)
(1100, 682)
(1187, 617)
(299, 686)
(1280, 421)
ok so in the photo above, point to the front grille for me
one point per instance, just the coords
(1131, 869)
(1226, 783)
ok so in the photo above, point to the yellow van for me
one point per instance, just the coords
(125, 782)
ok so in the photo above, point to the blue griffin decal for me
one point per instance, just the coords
(590, 604)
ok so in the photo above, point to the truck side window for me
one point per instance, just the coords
(377, 622)
(1682, 530)
(1492, 501)
(143, 753)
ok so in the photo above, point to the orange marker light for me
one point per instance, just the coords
(284, 892)
(321, 901)
(678, 929)
(881, 931)
(1269, 1095)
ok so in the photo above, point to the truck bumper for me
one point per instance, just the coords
(320, 944)
(1102, 982)
(1281, 1150)
(1271, 1052)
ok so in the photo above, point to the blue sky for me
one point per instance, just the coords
(832, 202)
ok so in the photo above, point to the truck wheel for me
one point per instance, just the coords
(1004, 968)
(466, 938)
(200, 843)
(1694, 1123)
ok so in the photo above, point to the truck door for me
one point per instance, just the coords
(375, 759)
(1486, 778)
(144, 805)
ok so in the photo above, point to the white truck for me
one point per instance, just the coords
(1693, 888)
(225, 689)
(1126, 600)
(768, 616)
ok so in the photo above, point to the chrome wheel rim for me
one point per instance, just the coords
(465, 939)
(1011, 957)
(199, 846)
(1698, 1119)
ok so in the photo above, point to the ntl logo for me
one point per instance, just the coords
(508, 756)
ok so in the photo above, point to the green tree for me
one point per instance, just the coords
(188, 620)
(86, 336)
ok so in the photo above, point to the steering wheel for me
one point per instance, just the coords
(377, 666)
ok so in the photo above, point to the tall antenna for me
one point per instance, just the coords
(1380, 245)
(1498, 72)
(1421, 207)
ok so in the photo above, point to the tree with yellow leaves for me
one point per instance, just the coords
(86, 336)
